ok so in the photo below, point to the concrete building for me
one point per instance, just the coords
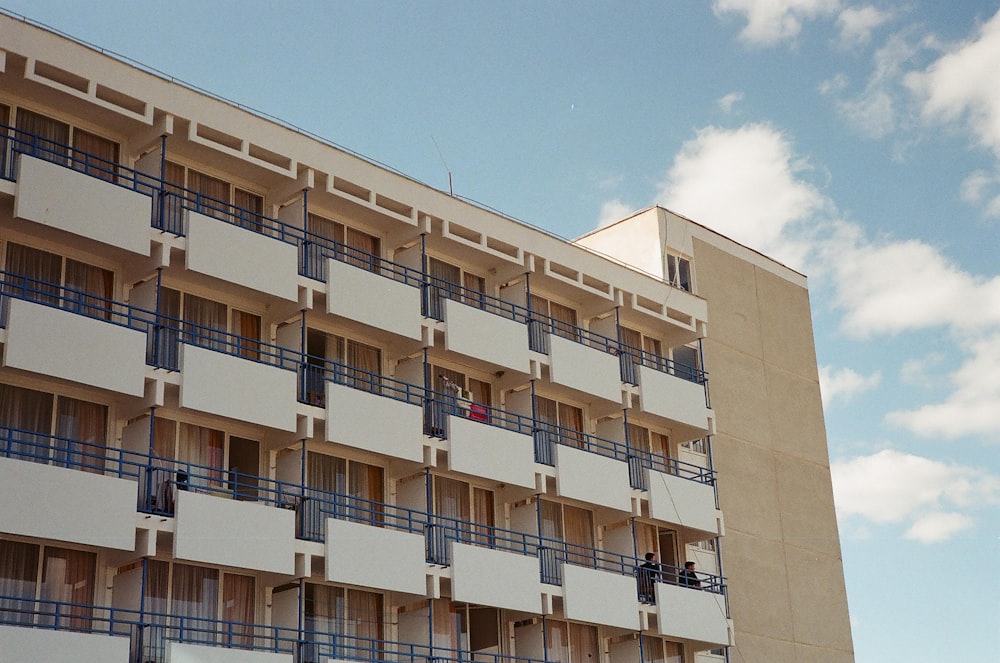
(264, 400)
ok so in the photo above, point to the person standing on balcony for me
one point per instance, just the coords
(649, 572)
(689, 577)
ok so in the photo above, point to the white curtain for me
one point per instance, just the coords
(29, 413)
(18, 569)
(238, 594)
(203, 447)
(68, 577)
(205, 322)
(194, 601)
(81, 429)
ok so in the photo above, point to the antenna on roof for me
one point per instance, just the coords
(451, 191)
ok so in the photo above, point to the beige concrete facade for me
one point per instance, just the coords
(781, 552)
(316, 379)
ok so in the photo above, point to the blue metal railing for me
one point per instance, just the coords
(633, 357)
(315, 372)
(151, 634)
(547, 436)
(315, 250)
(66, 452)
(318, 505)
(172, 201)
(70, 299)
(63, 615)
(441, 530)
(640, 460)
(439, 405)
(436, 290)
(14, 142)
(167, 333)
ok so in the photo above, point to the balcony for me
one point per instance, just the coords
(161, 638)
(77, 192)
(61, 632)
(95, 505)
(48, 323)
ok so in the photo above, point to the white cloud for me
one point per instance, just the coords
(726, 102)
(962, 86)
(844, 383)
(932, 498)
(773, 21)
(938, 527)
(744, 183)
(983, 189)
(857, 23)
(972, 406)
(894, 286)
(613, 210)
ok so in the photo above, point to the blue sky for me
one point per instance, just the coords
(858, 142)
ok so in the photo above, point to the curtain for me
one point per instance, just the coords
(364, 616)
(203, 448)
(366, 244)
(212, 194)
(552, 525)
(246, 327)
(86, 146)
(367, 360)
(450, 625)
(68, 577)
(29, 414)
(89, 289)
(18, 573)
(194, 599)
(579, 529)
(40, 273)
(205, 322)
(51, 136)
(451, 498)
(81, 432)
(329, 475)
(557, 641)
(565, 318)
(157, 593)
(631, 337)
(238, 594)
(250, 208)
(483, 515)
(366, 483)
(326, 228)
(442, 276)
(674, 652)
(571, 418)
(638, 437)
(323, 608)
(646, 539)
(583, 643)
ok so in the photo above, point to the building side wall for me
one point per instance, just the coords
(770, 451)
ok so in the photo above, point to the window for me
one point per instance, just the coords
(352, 246)
(561, 319)
(467, 628)
(644, 350)
(452, 282)
(456, 500)
(656, 444)
(96, 155)
(477, 392)
(337, 611)
(363, 364)
(186, 603)
(190, 457)
(657, 650)
(331, 478)
(49, 278)
(210, 324)
(699, 446)
(572, 525)
(565, 421)
(4, 157)
(571, 642)
(57, 430)
(66, 576)
(213, 197)
(686, 362)
(679, 272)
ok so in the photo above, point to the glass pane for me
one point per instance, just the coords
(81, 434)
(88, 289)
(47, 138)
(41, 273)
(95, 155)
(26, 416)
(68, 578)
(18, 569)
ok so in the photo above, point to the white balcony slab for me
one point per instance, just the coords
(67, 345)
(692, 614)
(487, 337)
(379, 557)
(66, 199)
(78, 507)
(576, 474)
(674, 398)
(373, 422)
(585, 369)
(489, 451)
(239, 255)
(682, 501)
(600, 597)
(497, 578)
(19, 643)
(183, 652)
(374, 300)
(239, 388)
(220, 530)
